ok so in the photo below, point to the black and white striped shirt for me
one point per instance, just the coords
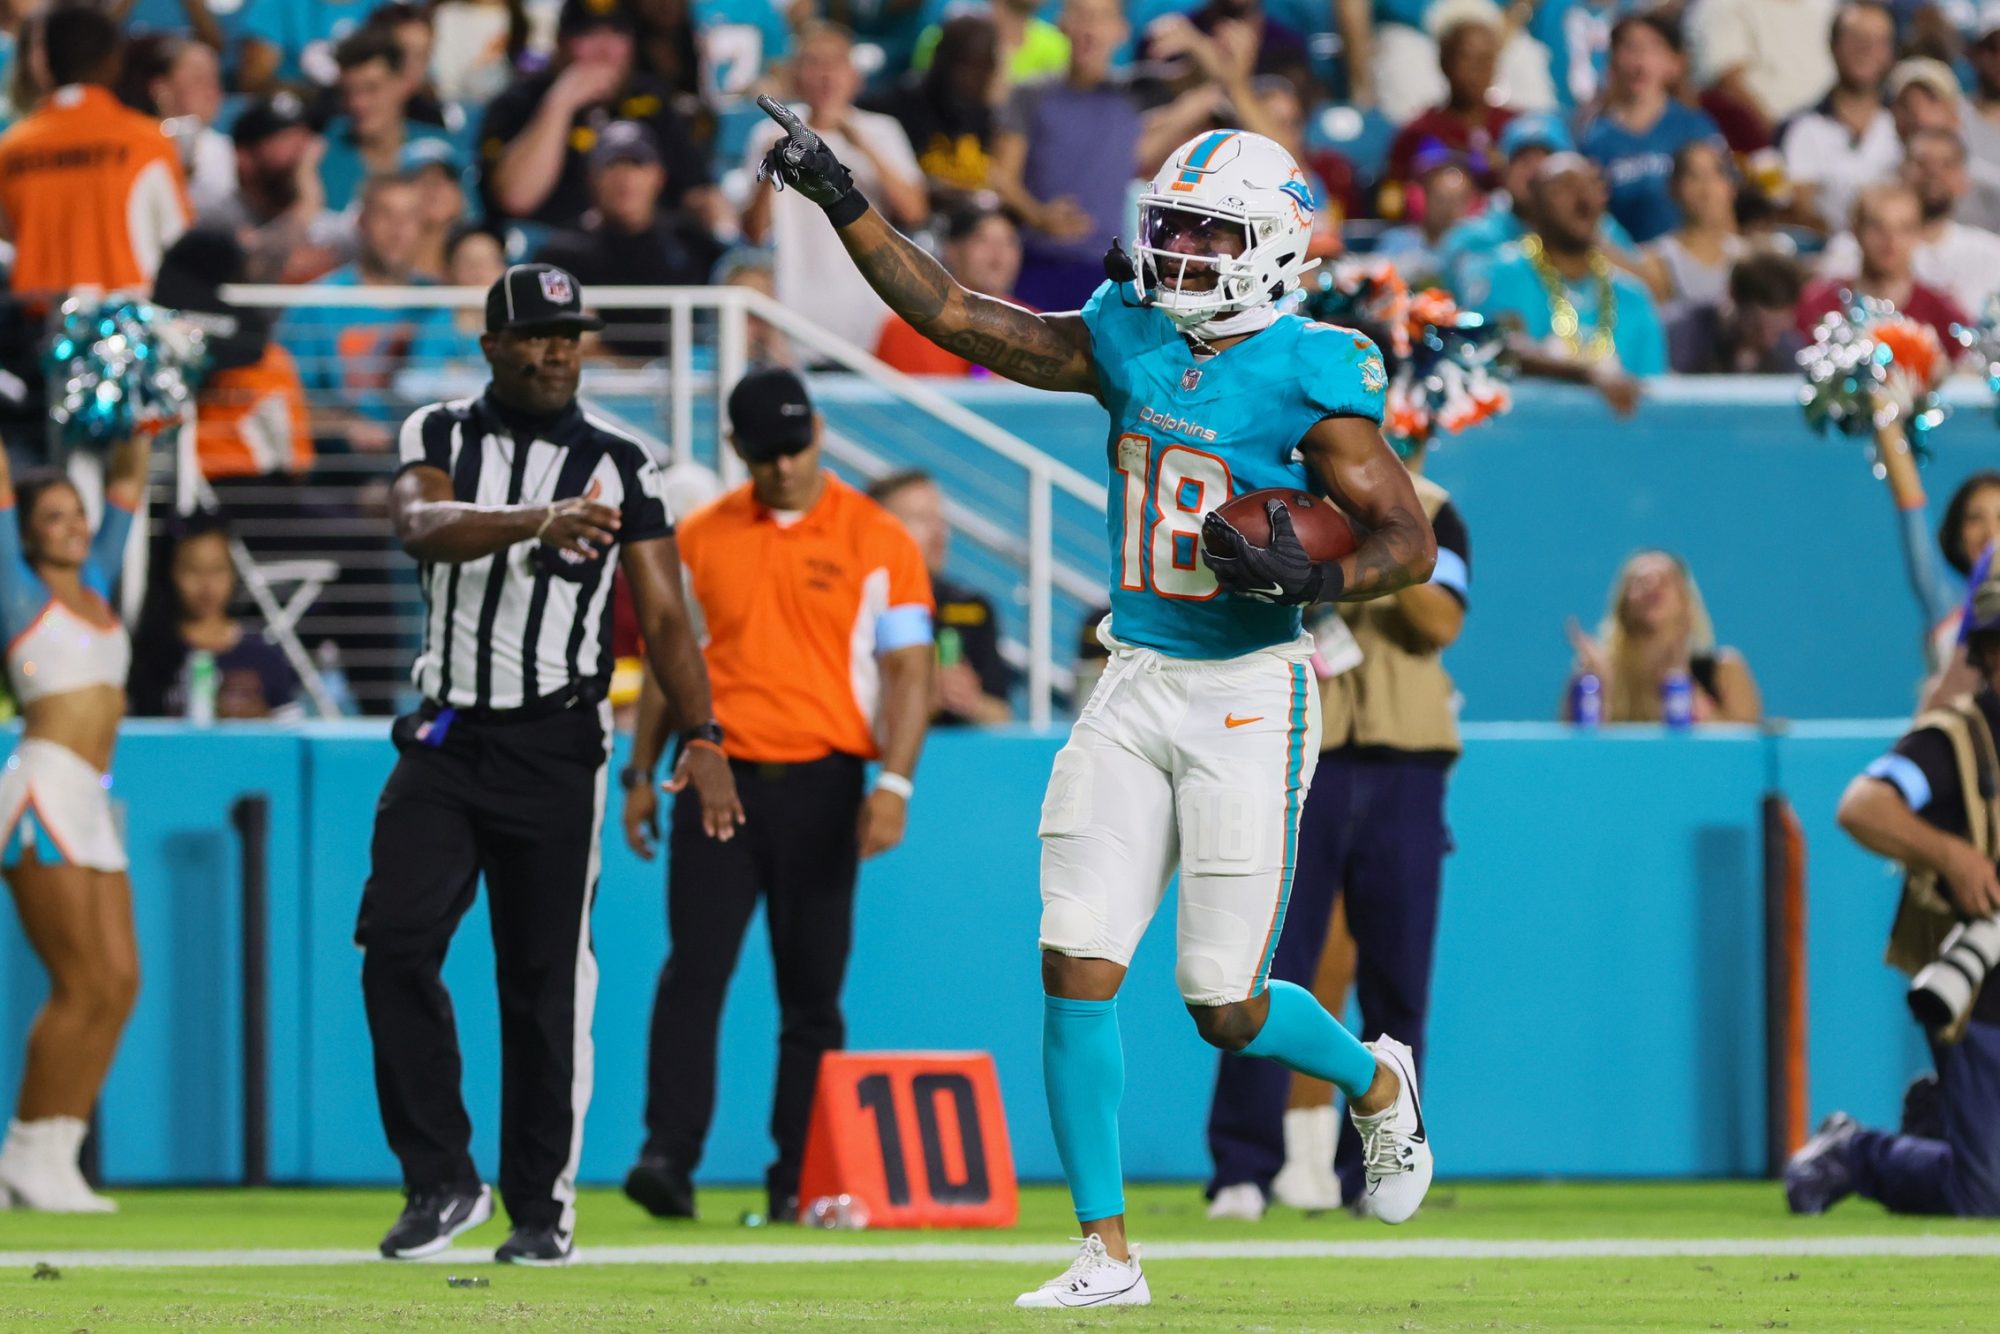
(522, 624)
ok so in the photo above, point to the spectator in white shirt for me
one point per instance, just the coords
(814, 277)
(1770, 56)
(1959, 260)
(1849, 139)
(1924, 95)
(180, 81)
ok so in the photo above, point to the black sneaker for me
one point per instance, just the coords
(432, 1218)
(529, 1245)
(660, 1188)
(783, 1208)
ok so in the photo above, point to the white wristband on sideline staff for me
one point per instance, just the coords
(896, 783)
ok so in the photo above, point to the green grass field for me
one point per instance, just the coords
(1760, 1281)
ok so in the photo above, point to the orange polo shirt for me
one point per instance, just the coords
(796, 613)
(92, 192)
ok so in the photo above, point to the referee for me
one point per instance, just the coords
(819, 616)
(515, 503)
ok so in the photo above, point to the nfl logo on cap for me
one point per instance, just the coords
(556, 287)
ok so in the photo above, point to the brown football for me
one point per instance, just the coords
(1323, 530)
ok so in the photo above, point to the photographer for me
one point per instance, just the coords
(1928, 804)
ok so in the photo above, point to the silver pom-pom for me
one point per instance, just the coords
(118, 366)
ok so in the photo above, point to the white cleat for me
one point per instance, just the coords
(1307, 1181)
(1395, 1150)
(1240, 1203)
(38, 1168)
(1094, 1279)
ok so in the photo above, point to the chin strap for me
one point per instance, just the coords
(1242, 322)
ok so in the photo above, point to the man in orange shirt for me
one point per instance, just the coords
(91, 193)
(818, 612)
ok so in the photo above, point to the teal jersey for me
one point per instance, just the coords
(1188, 434)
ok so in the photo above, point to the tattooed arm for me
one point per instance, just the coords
(1042, 351)
(1366, 478)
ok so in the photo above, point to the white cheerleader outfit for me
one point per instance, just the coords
(52, 800)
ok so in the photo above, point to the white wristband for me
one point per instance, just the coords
(896, 783)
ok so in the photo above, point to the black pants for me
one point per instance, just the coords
(520, 803)
(798, 851)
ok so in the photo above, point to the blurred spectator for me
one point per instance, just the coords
(439, 172)
(187, 614)
(250, 414)
(179, 81)
(740, 42)
(1467, 248)
(947, 109)
(292, 41)
(1888, 227)
(1849, 139)
(279, 206)
(371, 134)
(1982, 121)
(91, 192)
(537, 136)
(890, 26)
(1275, 48)
(1656, 627)
(1691, 264)
(475, 255)
(1445, 195)
(1577, 317)
(348, 354)
(1064, 156)
(1212, 88)
(1577, 36)
(1924, 95)
(627, 239)
(664, 45)
(1467, 124)
(411, 28)
(1961, 261)
(1753, 332)
(1634, 138)
(1281, 116)
(1028, 47)
(814, 275)
(751, 267)
(1392, 59)
(476, 45)
(1771, 58)
(982, 250)
(972, 680)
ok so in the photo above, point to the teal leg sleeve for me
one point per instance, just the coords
(1083, 1066)
(1300, 1035)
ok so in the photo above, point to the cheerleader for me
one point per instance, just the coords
(60, 852)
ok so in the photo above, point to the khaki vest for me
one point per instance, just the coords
(1925, 916)
(1400, 696)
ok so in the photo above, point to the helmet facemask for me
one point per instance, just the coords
(1183, 241)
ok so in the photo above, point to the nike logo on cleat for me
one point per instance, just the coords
(1231, 720)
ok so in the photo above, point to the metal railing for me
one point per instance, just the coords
(733, 308)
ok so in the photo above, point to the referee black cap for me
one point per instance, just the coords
(770, 414)
(537, 297)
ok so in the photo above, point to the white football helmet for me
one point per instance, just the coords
(1227, 183)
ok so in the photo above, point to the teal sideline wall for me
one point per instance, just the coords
(1793, 542)
(1600, 954)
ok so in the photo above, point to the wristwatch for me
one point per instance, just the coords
(710, 731)
(632, 776)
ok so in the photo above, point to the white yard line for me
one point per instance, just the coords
(1637, 1248)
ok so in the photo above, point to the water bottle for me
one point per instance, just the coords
(839, 1212)
(326, 658)
(1586, 700)
(204, 683)
(1677, 700)
(950, 647)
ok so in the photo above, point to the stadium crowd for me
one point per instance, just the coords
(1633, 187)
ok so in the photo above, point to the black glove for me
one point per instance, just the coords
(1281, 572)
(803, 161)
